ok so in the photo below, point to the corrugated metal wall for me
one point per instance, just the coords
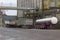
(28, 4)
(36, 3)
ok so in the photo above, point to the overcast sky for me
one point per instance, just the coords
(12, 3)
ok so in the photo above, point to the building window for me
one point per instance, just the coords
(52, 3)
(51, 0)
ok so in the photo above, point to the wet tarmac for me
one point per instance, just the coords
(28, 34)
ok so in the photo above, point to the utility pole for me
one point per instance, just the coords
(42, 8)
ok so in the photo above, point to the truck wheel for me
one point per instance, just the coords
(7, 26)
(27, 27)
(20, 26)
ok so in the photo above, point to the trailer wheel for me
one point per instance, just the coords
(40, 27)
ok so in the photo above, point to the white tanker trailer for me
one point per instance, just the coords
(46, 22)
(53, 20)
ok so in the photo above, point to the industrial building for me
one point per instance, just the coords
(28, 9)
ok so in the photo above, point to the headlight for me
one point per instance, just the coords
(6, 22)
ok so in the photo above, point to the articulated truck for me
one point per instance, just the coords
(30, 20)
(28, 23)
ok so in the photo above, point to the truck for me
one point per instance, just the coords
(12, 21)
(30, 20)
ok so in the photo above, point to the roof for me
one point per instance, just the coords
(5, 17)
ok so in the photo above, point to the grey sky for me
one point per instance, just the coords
(22, 4)
(12, 3)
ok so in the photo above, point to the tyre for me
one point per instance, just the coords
(27, 27)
